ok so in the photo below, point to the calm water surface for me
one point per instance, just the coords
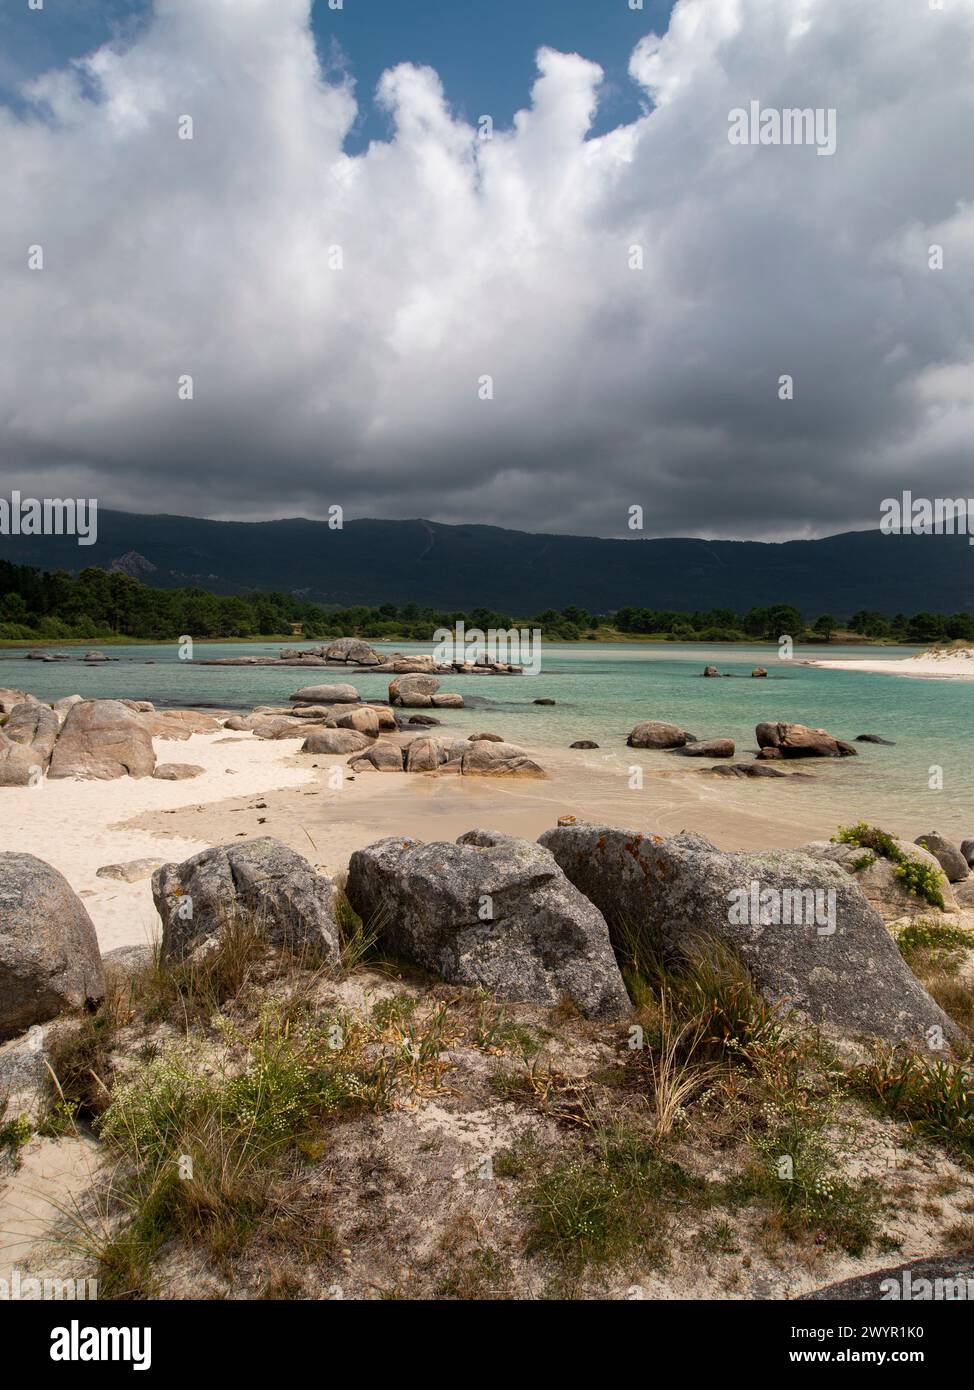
(602, 690)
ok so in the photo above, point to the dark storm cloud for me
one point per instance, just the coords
(315, 383)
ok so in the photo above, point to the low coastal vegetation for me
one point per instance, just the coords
(246, 1149)
(297, 1108)
(36, 606)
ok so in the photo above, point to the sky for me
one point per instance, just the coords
(350, 288)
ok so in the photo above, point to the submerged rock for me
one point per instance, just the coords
(652, 733)
(708, 748)
(798, 741)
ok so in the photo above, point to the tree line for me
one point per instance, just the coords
(97, 605)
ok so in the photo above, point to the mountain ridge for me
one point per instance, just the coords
(370, 561)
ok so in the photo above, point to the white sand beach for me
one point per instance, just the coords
(929, 665)
(75, 825)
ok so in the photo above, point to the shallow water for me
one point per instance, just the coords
(602, 690)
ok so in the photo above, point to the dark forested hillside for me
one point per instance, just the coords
(458, 567)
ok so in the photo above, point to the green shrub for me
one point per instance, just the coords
(922, 935)
(921, 879)
(14, 1134)
(614, 1197)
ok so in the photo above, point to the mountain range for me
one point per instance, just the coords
(461, 567)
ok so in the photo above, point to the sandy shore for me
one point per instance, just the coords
(948, 665)
(75, 825)
(261, 787)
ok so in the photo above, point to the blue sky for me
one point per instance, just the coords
(484, 52)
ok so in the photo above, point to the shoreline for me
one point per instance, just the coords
(253, 787)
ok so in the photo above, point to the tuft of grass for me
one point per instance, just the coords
(935, 953)
(935, 1098)
(710, 994)
(614, 1197)
(675, 1073)
(357, 939)
(497, 1033)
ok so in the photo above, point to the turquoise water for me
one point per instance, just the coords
(602, 690)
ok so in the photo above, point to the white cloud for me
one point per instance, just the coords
(509, 258)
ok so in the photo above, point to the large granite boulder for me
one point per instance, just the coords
(883, 887)
(258, 882)
(652, 733)
(49, 957)
(413, 691)
(425, 755)
(489, 911)
(9, 698)
(802, 927)
(325, 695)
(387, 720)
(799, 741)
(364, 721)
(20, 766)
(26, 743)
(61, 707)
(174, 723)
(319, 714)
(35, 725)
(488, 758)
(381, 756)
(948, 856)
(352, 651)
(102, 739)
(269, 727)
(335, 741)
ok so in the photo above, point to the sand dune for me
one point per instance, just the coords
(929, 665)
